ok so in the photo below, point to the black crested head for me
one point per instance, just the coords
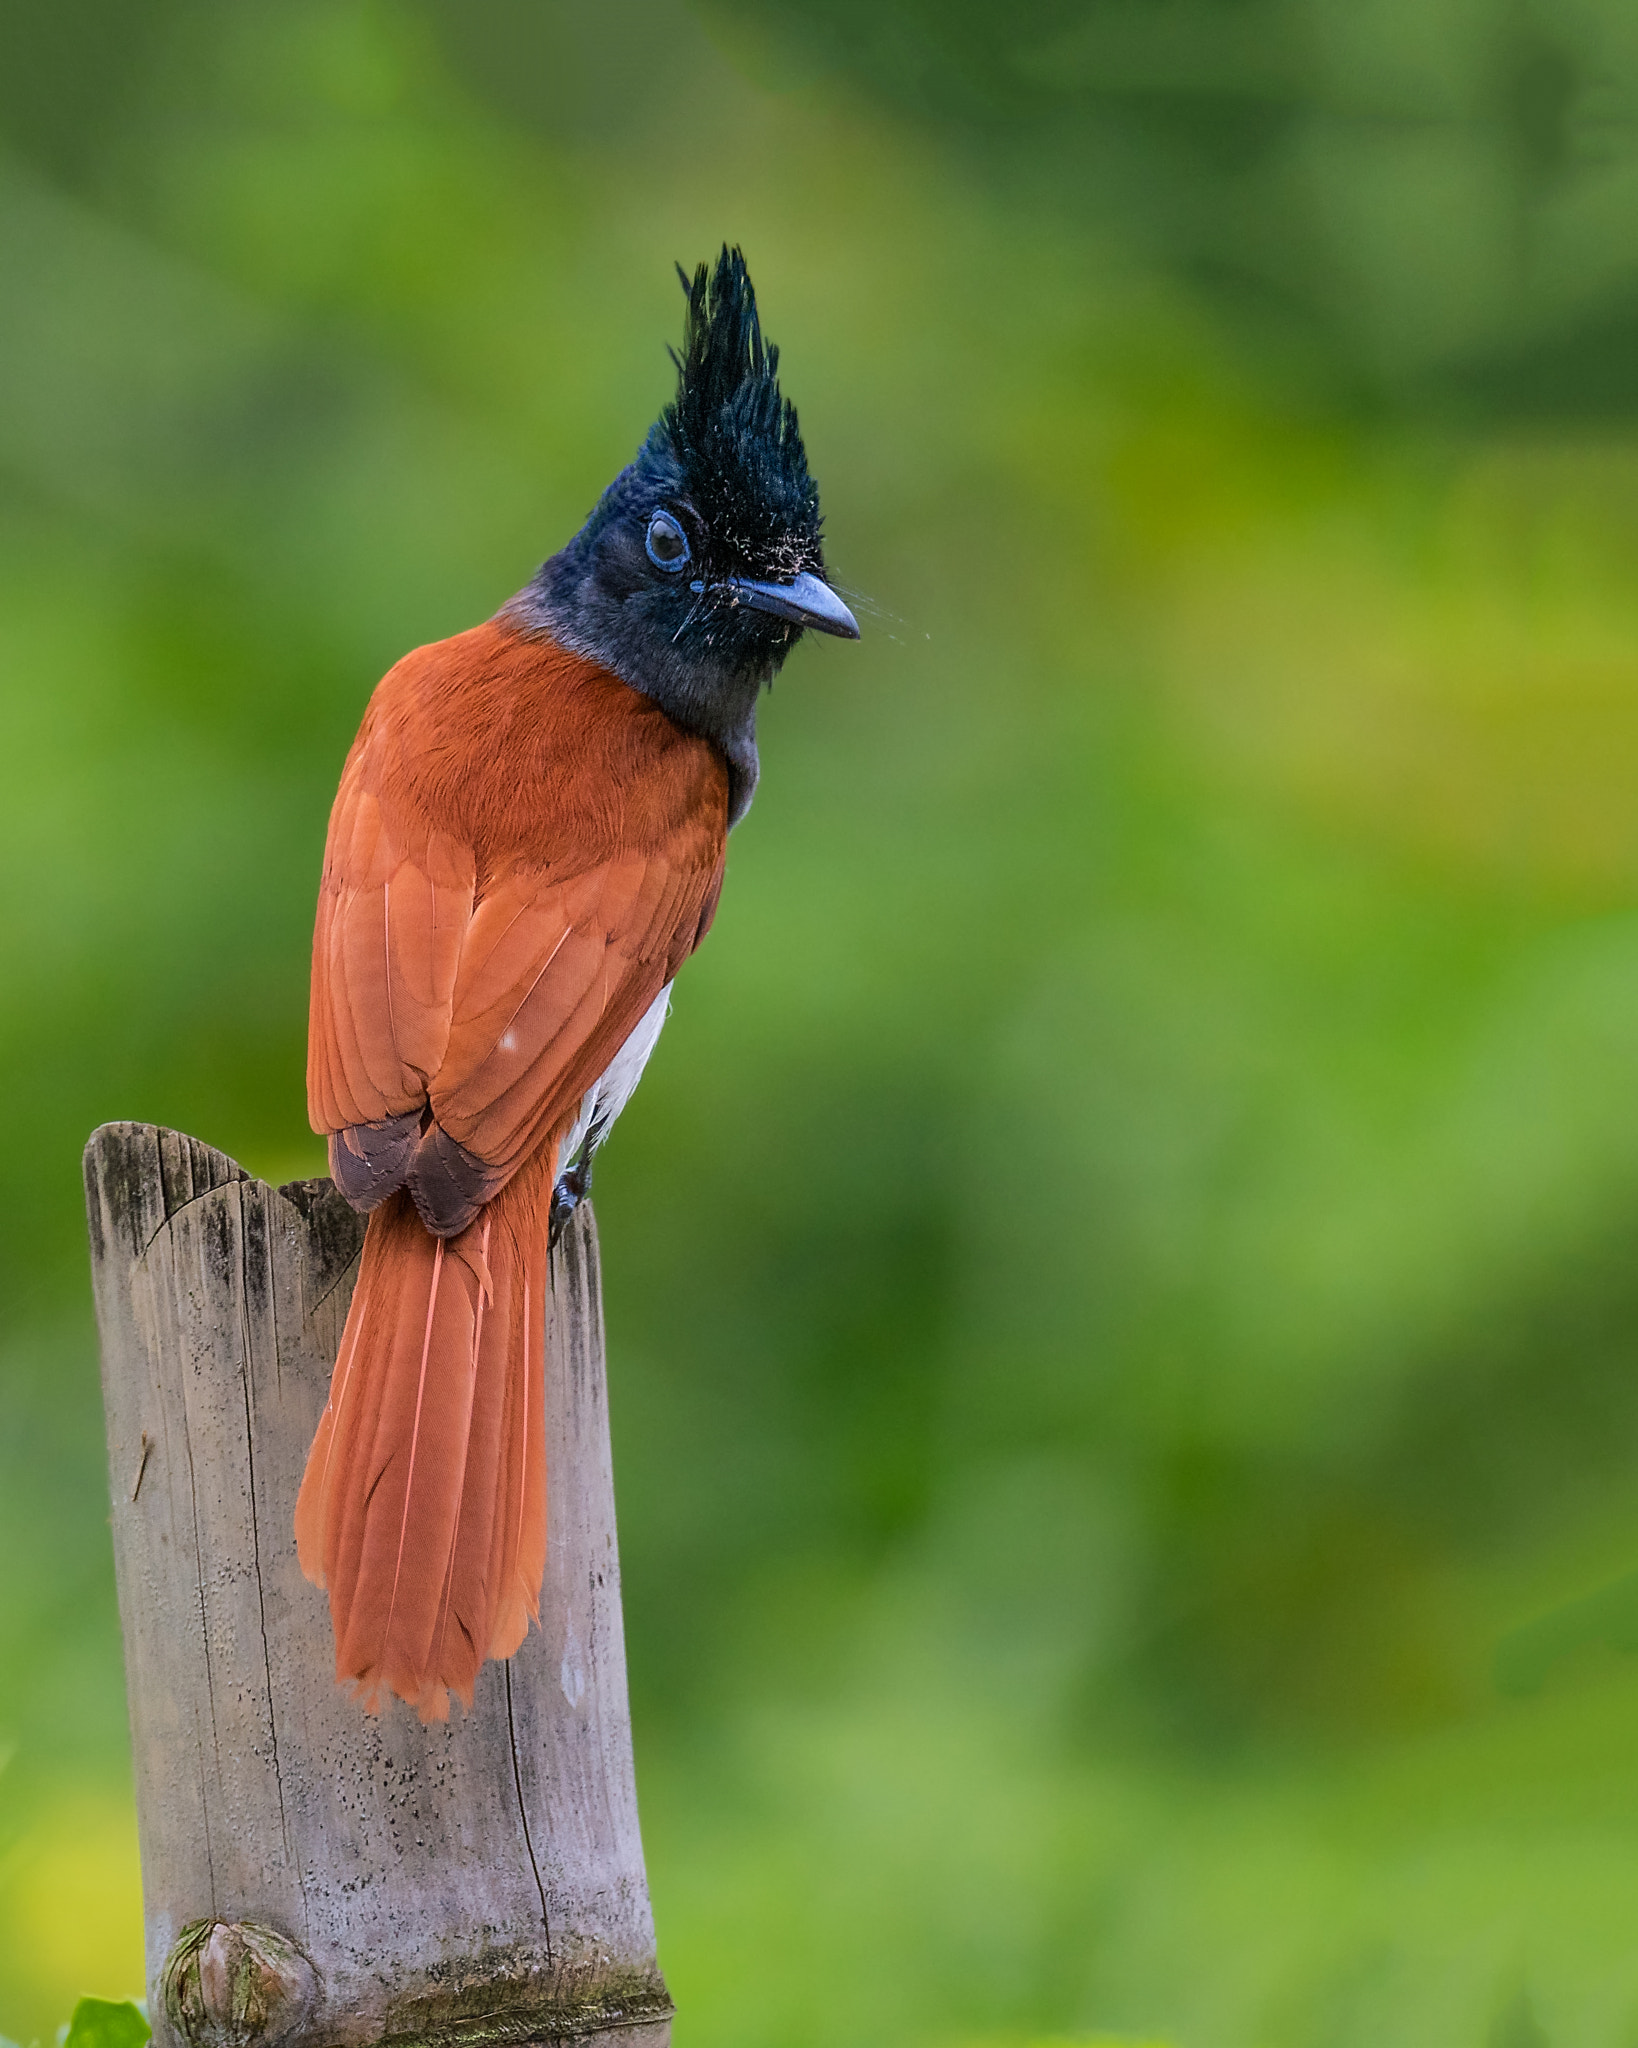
(729, 437)
(701, 565)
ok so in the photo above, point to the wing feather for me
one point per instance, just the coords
(551, 998)
(496, 990)
(395, 903)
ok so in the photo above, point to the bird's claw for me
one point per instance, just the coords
(572, 1189)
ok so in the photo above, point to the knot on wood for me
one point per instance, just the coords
(236, 1984)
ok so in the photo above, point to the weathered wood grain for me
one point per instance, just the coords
(480, 1880)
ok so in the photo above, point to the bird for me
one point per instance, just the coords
(528, 841)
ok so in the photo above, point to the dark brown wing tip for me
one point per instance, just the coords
(450, 1185)
(369, 1162)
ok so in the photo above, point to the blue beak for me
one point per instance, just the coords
(806, 601)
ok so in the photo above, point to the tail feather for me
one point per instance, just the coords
(423, 1507)
(523, 1559)
(481, 1452)
(398, 1529)
(507, 1446)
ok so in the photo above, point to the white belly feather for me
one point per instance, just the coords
(606, 1097)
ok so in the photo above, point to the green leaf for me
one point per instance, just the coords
(107, 2023)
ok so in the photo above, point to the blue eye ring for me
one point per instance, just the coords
(668, 530)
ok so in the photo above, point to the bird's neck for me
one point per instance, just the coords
(565, 599)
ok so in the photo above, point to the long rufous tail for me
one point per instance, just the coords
(423, 1507)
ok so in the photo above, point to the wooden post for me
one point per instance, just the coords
(309, 1874)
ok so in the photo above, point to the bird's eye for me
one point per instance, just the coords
(667, 543)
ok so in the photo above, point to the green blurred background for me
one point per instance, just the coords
(1121, 1279)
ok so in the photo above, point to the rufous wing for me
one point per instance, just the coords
(498, 1000)
(554, 977)
(394, 905)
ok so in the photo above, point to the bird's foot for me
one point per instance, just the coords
(572, 1189)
